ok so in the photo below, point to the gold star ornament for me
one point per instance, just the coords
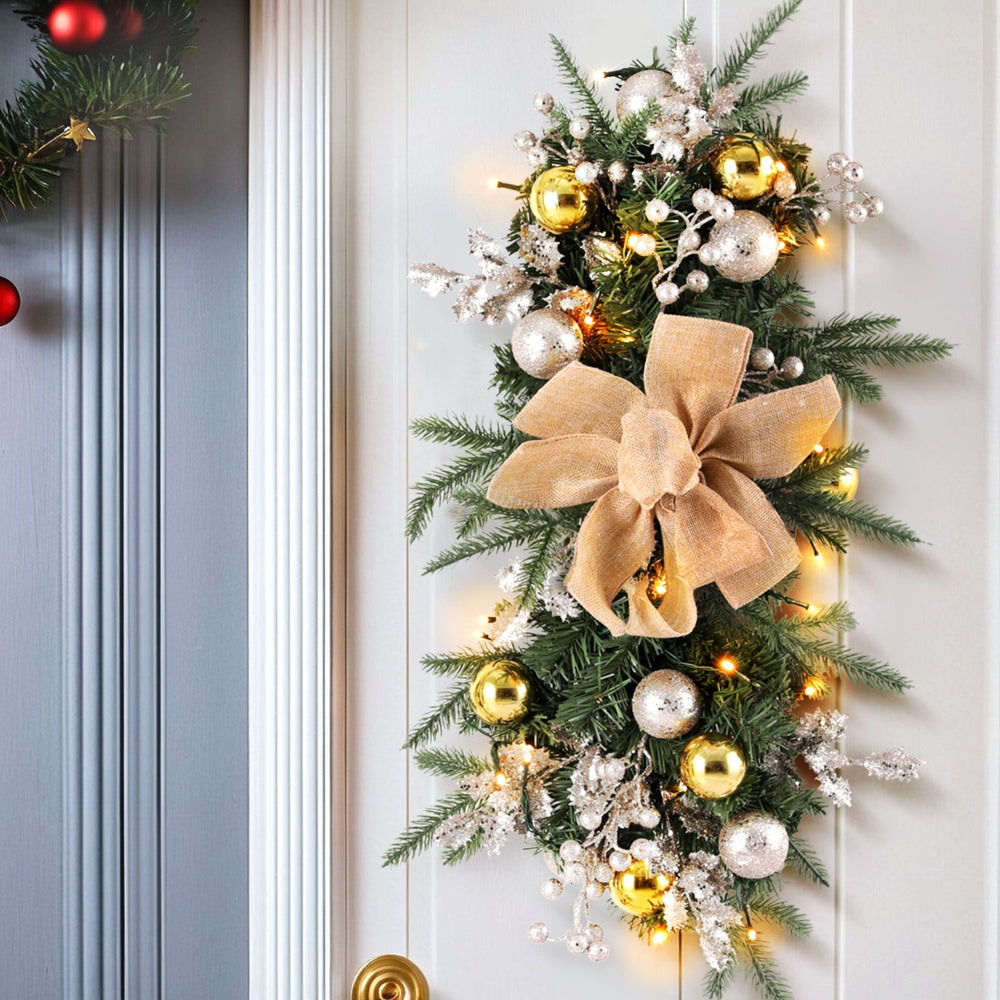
(78, 132)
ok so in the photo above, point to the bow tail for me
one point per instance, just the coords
(749, 501)
(615, 540)
(676, 613)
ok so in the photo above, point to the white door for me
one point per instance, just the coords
(435, 91)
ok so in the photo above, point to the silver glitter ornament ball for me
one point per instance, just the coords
(543, 102)
(579, 128)
(792, 367)
(666, 704)
(748, 246)
(617, 171)
(762, 359)
(641, 88)
(546, 341)
(754, 845)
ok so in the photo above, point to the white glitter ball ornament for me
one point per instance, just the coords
(546, 341)
(748, 246)
(666, 704)
(641, 88)
(754, 845)
(538, 932)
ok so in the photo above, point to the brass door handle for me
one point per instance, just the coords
(390, 977)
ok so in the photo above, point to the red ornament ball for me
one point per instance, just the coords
(10, 301)
(76, 26)
(126, 23)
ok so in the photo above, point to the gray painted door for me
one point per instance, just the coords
(123, 784)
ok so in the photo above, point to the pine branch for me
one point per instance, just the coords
(828, 519)
(684, 34)
(870, 340)
(784, 915)
(631, 132)
(419, 835)
(455, 855)
(459, 432)
(544, 551)
(601, 124)
(857, 667)
(444, 714)
(717, 981)
(515, 533)
(441, 485)
(447, 762)
(805, 862)
(764, 974)
(462, 664)
(750, 47)
(758, 98)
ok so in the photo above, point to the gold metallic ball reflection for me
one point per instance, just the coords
(713, 766)
(744, 168)
(500, 693)
(560, 203)
(639, 892)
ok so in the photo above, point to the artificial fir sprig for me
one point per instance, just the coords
(117, 86)
(579, 767)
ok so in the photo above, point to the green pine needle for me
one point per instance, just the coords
(419, 835)
(446, 713)
(602, 127)
(449, 763)
(750, 47)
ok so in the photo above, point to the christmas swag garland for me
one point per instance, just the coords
(656, 468)
(112, 65)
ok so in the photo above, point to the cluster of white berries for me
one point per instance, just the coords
(843, 177)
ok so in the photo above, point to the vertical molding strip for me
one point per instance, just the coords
(140, 554)
(111, 569)
(296, 536)
(991, 316)
(92, 581)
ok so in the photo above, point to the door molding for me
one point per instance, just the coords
(296, 324)
(112, 599)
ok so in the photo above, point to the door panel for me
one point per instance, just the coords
(123, 556)
(444, 86)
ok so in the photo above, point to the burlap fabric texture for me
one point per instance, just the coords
(683, 455)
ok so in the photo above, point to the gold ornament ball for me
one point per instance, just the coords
(713, 766)
(637, 891)
(500, 693)
(560, 203)
(744, 168)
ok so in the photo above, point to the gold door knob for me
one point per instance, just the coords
(390, 977)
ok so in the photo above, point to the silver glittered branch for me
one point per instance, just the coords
(502, 290)
(818, 736)
(500, 797)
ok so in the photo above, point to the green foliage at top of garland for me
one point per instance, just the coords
(117, 87)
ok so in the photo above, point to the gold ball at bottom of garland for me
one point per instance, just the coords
(560, 203)
(639, 892)
(500, 693)
(713, 766)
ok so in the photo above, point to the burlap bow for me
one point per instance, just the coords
(683, 456)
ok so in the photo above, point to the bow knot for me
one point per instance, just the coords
(680, 458)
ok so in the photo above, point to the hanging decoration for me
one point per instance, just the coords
(10, 301)
(644, 685)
